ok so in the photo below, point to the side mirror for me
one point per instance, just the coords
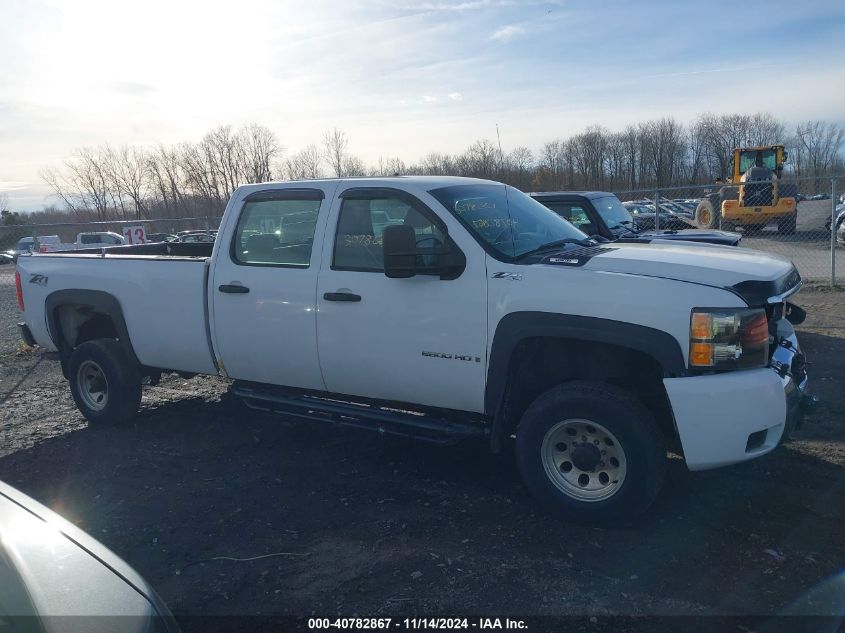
(400, 251)
(588, 227)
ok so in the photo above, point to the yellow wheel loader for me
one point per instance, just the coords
(754, 195)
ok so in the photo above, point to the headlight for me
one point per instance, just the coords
(728, 338)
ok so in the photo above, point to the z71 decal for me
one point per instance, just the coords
(35, 278)
(507, 275)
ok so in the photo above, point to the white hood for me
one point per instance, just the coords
(721, 266)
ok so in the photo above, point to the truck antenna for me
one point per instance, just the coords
(501, 153)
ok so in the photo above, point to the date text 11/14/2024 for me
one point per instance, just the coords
(417, 623)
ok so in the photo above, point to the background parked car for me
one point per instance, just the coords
(674, 207)
(840, 218)
(689, 204)
(643, 213)
(195, 236)
(160, 237)
(601, 215)
(34, 244)
(100, 238)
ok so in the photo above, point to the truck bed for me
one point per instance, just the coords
(161, 289)
(165, 249)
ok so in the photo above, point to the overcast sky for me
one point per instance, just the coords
(401, 77)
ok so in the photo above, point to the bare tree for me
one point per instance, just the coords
(335, 146)
(84, 183)
(127, 169)
(818, 148)
(259, 147)
(482, 159)
(519, 165)
(353, 166)
(307, 163)
(167, 178)
(390, 167)
(223, 154)
(436, 164)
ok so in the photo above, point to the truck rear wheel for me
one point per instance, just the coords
(592, 452)
(105, 382)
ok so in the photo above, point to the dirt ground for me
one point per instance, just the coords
(348, 522)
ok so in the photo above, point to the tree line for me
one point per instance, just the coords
(195, 179)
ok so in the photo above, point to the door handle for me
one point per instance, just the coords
(233, 289)
(341, 296)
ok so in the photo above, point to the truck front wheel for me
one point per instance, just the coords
(590, 451)
(105, 382)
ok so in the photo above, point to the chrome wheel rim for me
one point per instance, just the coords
(93, 386)
(584, 460)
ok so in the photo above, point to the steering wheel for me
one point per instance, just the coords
(500, 234)
(428, 259)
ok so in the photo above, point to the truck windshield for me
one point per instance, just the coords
(504, 219)
(612, 211)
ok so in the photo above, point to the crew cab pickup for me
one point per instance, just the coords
(601, 215)
(475, 312)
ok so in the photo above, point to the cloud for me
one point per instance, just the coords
(130, 88)
(455, 96)
(429, 99)
(507, 33)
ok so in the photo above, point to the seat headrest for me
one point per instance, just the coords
(355, 218)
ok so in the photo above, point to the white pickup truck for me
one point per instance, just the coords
(86, 240)
(472, 311)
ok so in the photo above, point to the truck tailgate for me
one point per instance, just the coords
(162, 299)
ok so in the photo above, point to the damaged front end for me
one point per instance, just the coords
(789, 361)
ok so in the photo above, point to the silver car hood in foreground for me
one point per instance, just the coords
(56, 577)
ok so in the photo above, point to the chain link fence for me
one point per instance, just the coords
(802, 233)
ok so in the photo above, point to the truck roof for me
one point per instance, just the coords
(422, 182)
(592, 195)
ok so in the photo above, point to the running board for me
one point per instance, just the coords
(371, 415)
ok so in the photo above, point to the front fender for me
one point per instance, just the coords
(519, 326)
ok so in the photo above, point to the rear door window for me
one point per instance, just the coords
(276, 232)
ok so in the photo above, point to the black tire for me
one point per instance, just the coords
(105, 382)
(637, 437)
(708, 215)
(786, 225)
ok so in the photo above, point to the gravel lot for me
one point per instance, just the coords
(348, 522)
(809, 248)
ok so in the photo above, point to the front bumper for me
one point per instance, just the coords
(732, 417)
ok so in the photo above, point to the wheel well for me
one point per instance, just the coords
(80, 323)
(539, 363)
(72, 324)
